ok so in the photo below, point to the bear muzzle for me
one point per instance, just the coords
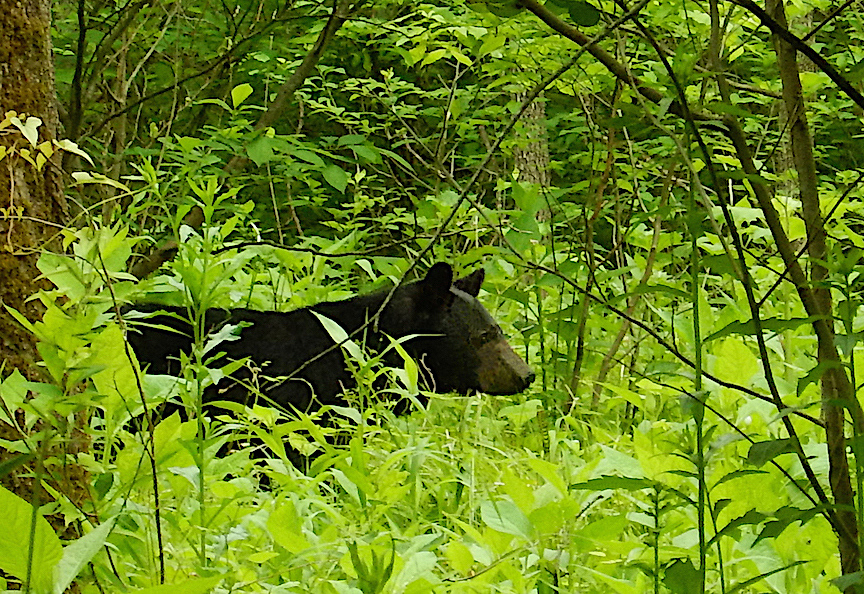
(501, 370)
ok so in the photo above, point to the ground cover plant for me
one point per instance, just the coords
(665, 199)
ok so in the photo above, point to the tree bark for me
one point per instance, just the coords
(32, 210)
(836, 388)
(531, 153)
(32, 205)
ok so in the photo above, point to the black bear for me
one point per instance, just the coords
(457, 344)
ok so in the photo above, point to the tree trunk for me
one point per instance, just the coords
(531, 153)
(32, 205)
(836, 388)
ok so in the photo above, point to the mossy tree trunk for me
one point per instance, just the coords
(32, 205)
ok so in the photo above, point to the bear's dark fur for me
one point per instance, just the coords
(460, 347)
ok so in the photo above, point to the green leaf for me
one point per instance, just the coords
(367, 153)
(308, 157)
(503, 8)
(751, 518)
(11, 464)
(519, 414)
(82, 177)
(681, 577)
(70, 147)
(815, 374)
(29, 129)
(285, 527)
(614, 482)
(64, 272)
(763, 451)
(768, 325)
(584, 14)
(418, 566)
(785, 516)
(336, 177)
(505, 516)
(338, 334)
(747, 583)
(738, 474)
(528, 197)
(433, 56)
(240, 93)
(351, 140)
(190, 473)
(78, 554)
(16, 527)
(260, 150)
(849, 579)
(13, 391)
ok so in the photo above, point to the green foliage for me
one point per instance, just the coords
(650, 455)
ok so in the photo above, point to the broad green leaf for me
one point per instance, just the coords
(548, 471)
(850, 579)
(417, 567)
(340, 337)
(260, 150)
(519, 490)
(748, 328)
(286, 528)
(65, 273)
(519, 414)
(16, 528)
(751, 518)
(29, 129)
(735, 361)
(583, 14)
(505, 516)
(786, 516)
(13, 391)
(351, 140)
(459, 556)
(78, 554)
(240, 93)
(614, 482)
(70, 147)
(336, 177)
(82, 177)
(681, 577)
(190, 473)
(764, 451)
(308, 157)
(814, 375)
(528, 197)
(433, 56)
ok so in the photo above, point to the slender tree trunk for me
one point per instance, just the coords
(835, 385)
(531, 153)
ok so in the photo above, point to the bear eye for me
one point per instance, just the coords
(487, 336)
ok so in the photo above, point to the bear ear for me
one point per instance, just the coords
(436, 285)
(471, 283)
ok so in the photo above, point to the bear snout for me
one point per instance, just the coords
(501, 370)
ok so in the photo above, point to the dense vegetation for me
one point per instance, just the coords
(649, 212)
